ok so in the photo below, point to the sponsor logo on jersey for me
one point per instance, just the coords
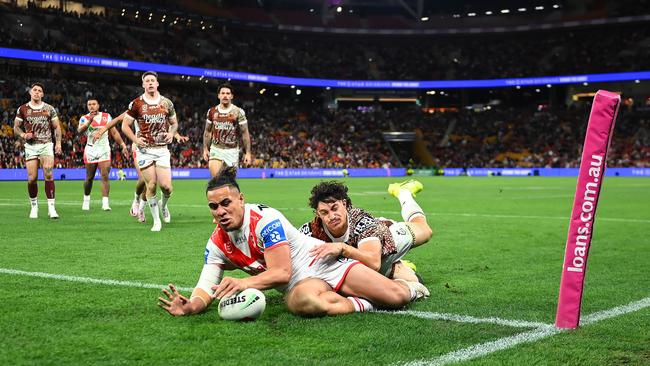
(205, 255)
(273, 233)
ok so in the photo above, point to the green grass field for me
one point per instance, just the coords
(496, 252)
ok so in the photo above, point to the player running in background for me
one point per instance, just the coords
(140, 198)
(224, 125)
(97, 153)
(156, 125)
(34, 123)
(378, 243)
(262, 242)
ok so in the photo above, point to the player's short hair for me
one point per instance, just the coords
(227, 176)
(225, 85)
(149, 73)
(37, 84)
(329, 192)
(92, 98)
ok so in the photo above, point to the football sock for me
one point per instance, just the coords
(49, 189)
(361, 305)
(410, 208)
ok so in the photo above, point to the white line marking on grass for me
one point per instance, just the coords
(87, 279)
(530, 336)
(469, 319)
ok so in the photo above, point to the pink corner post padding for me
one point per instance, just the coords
(590, 179)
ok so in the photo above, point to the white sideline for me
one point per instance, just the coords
(469, 319)
(24, 203)
(483, 349)
(88, 279)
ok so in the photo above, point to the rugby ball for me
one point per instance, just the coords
(246, 305)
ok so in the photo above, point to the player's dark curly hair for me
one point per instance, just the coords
(329, 192)
(227, 176)
(226, 85)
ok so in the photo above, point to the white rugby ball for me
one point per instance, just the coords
(246, 305)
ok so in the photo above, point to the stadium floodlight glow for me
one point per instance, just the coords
(539, 7)
(548, 85)
(585, 83)
(298, 91)
(488, 12)
(471, 14)
(203, 27)
(635, 81)
(262, 91)
(521, 10)
(505, 11)
(339, 9)
(456, 15)
(555, 6)
(424, 19)
(537, 90)
(311, 10)
(431, 92)
(275, 94)
(518, 86)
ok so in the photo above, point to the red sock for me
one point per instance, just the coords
(32, 188)
(49, 189)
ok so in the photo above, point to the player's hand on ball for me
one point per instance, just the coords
(175, 303)
(229, 286)
(326, 250)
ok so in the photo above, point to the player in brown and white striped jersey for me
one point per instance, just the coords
(225, 124)
(156, 124)
(34, 124)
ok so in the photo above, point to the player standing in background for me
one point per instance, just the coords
(224, 125)
(139, 199)
(97, 153)
(34, 124)
(156, 125)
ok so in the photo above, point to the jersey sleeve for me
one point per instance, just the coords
(170, 107)
(19, 114)
(271, 231)
(207, 116)
(53, 113)
(241, 118)
(132, 110)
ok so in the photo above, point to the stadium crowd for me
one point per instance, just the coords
(522, 54)
(287, 133)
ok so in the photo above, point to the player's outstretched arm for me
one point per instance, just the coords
(128, 132)
(178, 305)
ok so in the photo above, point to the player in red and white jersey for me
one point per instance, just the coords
(156, 125)
(225, 124)
(353, 233)
(261, 241)
(34, 123)
(97, 152)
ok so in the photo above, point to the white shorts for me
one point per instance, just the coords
(230, 157)
(404, 238)
(35, 151)
(332, 271)
(146, 156)
(94, 154)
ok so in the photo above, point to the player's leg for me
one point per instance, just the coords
(104, 170)
(363, 282)
(149, 176)
(164, 175)
(314, 297)
(215, 166)
(139, 188)
(412, 213)
(32, 186)
(47, 162)
(91, 169)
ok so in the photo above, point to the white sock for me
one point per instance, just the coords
(153, 205)
(86, 198)
(361, 305)
(165, 198)
(136, 197)
(50, 202)
(410, 208)
(142, 204)
(33, 202)
(104, 201)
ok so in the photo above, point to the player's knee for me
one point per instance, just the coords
(307, 305)
(397, 296)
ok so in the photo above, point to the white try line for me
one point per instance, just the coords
(25, 203)
(420, 314)
(483, 349)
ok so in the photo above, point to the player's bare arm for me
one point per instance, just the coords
(178, 305)
(246, 140)
(57, 135)
(84, 126)
(207, 140)
(278, 273)
(368, 253)
(173, 128)
(18, 131)
(118, 138)
(128, 132)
